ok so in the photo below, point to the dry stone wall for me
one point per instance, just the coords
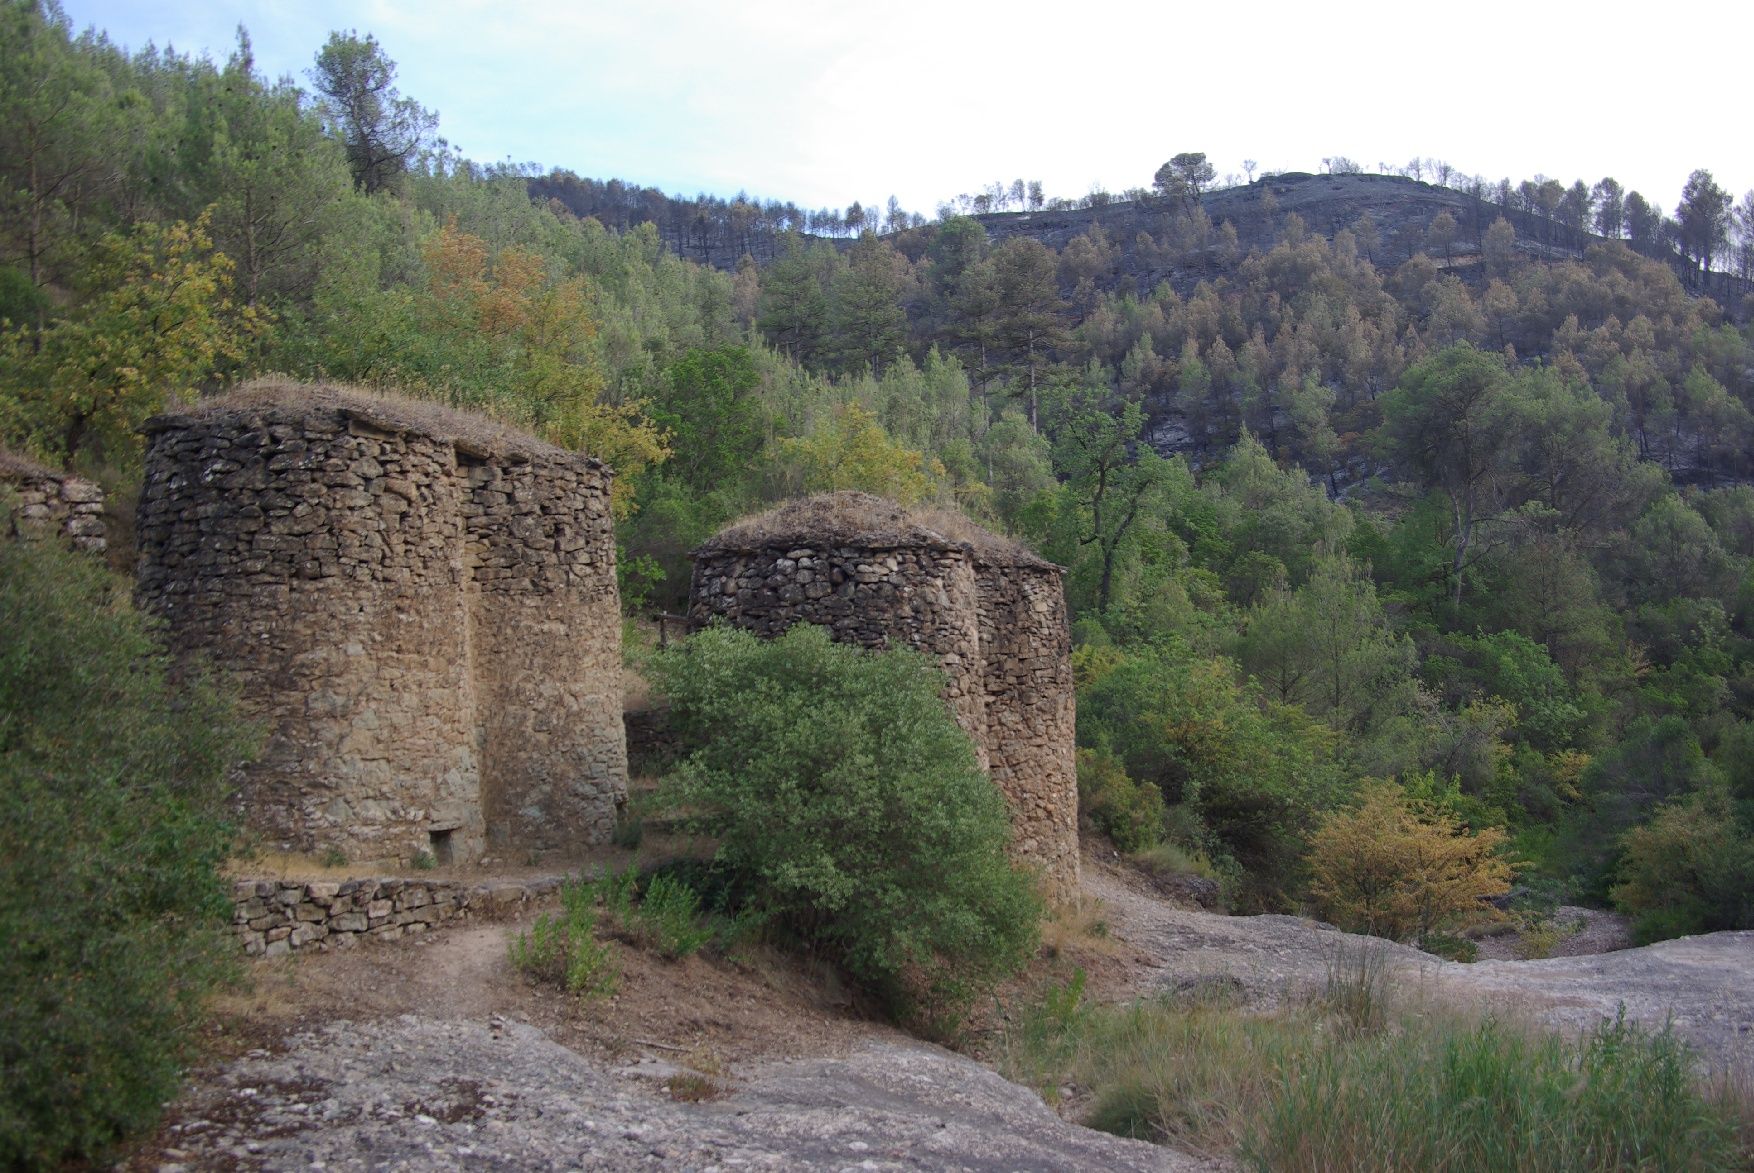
(548, 663)
(274, 917)
(43, 503)
(993, 616)
(418, 606)
(921, 597)
(1026, 668)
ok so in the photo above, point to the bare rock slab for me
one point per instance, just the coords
(415, 1093)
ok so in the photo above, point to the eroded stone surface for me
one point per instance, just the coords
(1700, 985)
(418, 1093)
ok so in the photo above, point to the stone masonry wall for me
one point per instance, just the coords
(1026, 647)
(546, 639)
(45, 503)
(274, 917)
(917, 597)
(995, 619)
(376, 591)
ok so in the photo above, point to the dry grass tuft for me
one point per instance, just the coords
(16, 467)
(851, 518)
(275, 396)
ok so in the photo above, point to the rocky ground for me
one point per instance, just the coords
(1700, 985)
(435, 1054)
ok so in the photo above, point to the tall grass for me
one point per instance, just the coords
(1352, 1079)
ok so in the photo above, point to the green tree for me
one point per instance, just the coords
(1690, 869)
(848, 449)
(1120, 484)
(1252, 774)
(793, 307)
(272, 178)
(381, 130)
(57, 125)
(1185, 177)
(1443, 428)
(1610, 201)
(1703, 217)
(1327, 646)
(867, 325)
(1028, 317)
(710, 410)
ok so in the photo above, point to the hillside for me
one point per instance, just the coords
(1400, 208)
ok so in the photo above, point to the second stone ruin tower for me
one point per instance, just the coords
(992, 614)
(419, 605)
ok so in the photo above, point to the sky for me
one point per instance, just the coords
(826, 103)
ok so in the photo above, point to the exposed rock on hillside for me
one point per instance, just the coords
(419, 1093)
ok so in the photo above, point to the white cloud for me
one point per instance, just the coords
(828, 103)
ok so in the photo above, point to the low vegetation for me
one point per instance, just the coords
(112, 908)
(561, 948)
(846, 810)
(1352, 1079)
(573, 947)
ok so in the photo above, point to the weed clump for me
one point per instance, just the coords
(561, 948)
(1351, 1079)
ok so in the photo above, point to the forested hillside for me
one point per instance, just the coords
(1356, 478)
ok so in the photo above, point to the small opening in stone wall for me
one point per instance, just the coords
(441, 847)
(468, 458)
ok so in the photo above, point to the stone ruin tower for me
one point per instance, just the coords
(990, 612)
(420, 606)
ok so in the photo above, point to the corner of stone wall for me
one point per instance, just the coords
(42, 504)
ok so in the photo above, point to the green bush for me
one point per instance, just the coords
(669, 917)
(1130, 813)
(561, 948)
(1689, 870)
(112, 909)
(847, 804)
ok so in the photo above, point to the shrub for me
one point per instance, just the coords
(561, 948)
(1128, 812)
(669, 914)
(1689, 870)
(847, 804)
(1400, 868)
(112, 908)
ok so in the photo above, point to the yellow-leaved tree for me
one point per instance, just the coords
(1397, 867)
(505, 335)
(850, 450)
(155, 321)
